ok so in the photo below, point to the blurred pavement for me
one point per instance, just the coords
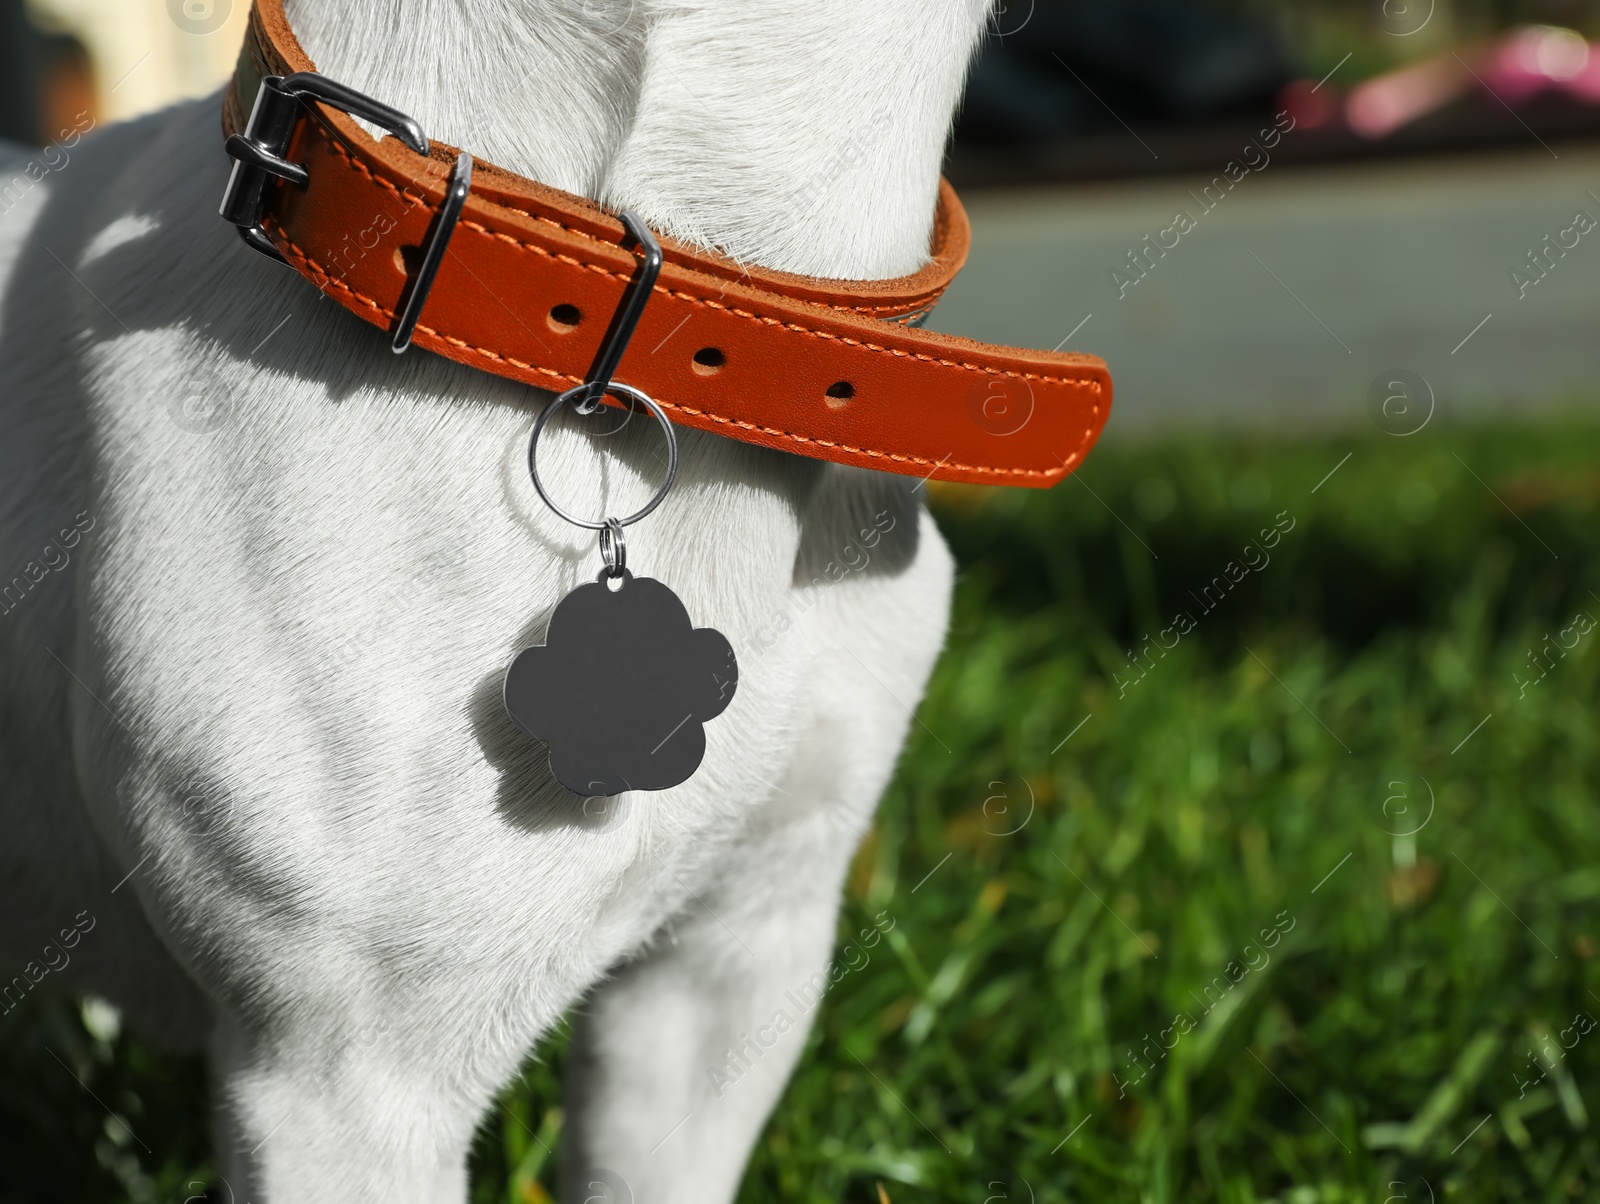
(1378, 267)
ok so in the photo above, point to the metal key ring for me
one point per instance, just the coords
(655, 411)
(613, 548)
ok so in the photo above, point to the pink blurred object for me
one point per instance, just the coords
(1311, 105)
(1517, 67)
(1537, 57)
(1381, 105)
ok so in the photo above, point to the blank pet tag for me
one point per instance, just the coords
(621, 687)
(624, 683)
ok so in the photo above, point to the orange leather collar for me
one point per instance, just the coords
(830, 369)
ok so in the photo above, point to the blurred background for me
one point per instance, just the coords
(1428, 147)
(1300, 659)
(110, 58)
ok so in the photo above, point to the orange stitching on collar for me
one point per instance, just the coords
(372, 304)
(918, 301)
(1087, 382)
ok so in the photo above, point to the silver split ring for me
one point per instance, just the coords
(613, 548)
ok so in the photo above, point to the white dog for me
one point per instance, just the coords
(250, 728)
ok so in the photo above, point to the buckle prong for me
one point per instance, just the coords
(254, 154)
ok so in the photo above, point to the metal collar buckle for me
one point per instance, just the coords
(258, 152)
(258, 155)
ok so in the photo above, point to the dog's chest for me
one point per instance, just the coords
(314, 564)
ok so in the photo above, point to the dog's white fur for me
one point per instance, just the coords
(263, 696)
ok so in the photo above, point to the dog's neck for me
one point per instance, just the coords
(803, 137)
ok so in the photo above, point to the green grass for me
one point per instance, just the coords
(1038, 1022)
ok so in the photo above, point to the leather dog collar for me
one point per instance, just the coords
(830, 369)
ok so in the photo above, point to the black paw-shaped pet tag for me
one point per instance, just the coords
(624, 683)
(621, 687)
